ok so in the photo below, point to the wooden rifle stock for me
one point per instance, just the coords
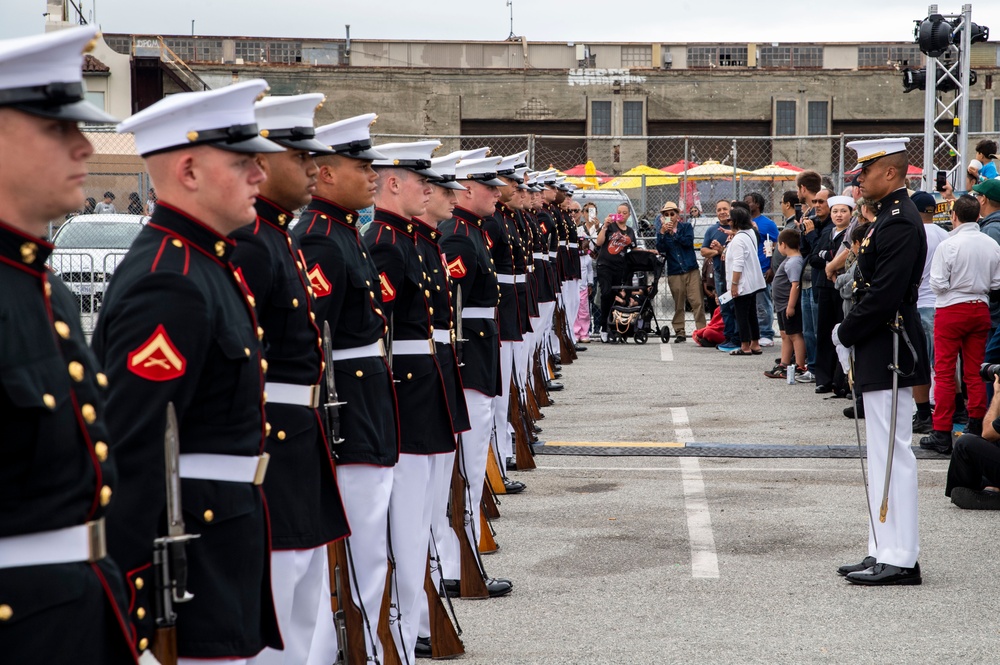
(165, 645)
(490, 502)
(357, 651)
(445, 642)
(390, 656)
(522, 449)
(536, 372)
(472, 584)
(487, 543)
(532, 404)
(494, 479)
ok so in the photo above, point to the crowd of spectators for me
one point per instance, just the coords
(107, 206)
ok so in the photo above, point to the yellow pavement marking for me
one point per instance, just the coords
(618, 444)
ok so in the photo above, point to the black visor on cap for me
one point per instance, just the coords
(79, 111)
(357, 150)
(236, 138)
(296, 138)
(59, 101)
(449, 184)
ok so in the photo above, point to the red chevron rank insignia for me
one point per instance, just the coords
(457, 268)
(157, 359)
(388, 291)
(319, 282)
(489, 240)
(542, 227)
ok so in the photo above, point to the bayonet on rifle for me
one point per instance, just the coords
(170, 552)
(459, 331)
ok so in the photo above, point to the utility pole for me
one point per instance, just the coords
(511, 36)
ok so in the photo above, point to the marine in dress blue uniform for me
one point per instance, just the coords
(301, 488)
(60, 595)
(178, 326)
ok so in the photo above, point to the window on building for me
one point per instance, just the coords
(818, 116)
(632, 119)
(975, 121)
(774, 56)
(888, 56)
(95, 98)
(807, 56)
(701, 57)
(637, 56)
(732, 56)
(119, 44)
(600, 118)
(284, 52)
(250, 51)
(784, 118)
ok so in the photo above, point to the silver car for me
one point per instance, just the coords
(88, 248)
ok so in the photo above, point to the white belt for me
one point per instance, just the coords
(84, 542)
(562, 243)
(442, 336)
(290, 393)
(506, 279)
(229, 468)
(538, 256)
(373, 350)
(519, 279)
(573, 245)
(413, 347)
(479, 313)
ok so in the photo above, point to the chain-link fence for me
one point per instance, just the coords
(699, 171)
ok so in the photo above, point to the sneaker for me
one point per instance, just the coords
(922, 425)
(680, 338)
(726, 347)
(805, 377)
(779, 371)
(604, 337)
(971, 499)
(765, 341)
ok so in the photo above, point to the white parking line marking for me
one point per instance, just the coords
(666, 353)
(682, 428)
(704, 562)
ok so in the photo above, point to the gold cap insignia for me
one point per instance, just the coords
(29, 252)
(220, 248)
(192, 136)
(264, 133)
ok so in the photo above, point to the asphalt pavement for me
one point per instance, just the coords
(686, 509)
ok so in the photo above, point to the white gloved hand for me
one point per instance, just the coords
(843, 352)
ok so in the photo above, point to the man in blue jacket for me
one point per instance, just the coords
(675, 240)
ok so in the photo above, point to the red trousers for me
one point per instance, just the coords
(960, 327)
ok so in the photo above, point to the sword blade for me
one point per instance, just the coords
(171, 458)
(892, 425)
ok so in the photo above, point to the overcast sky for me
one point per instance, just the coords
(538, 20)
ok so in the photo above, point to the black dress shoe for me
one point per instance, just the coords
(498, 587)
(939, 442)
(557, 375)
(970, 499)
(849, 413)
(884, 574)
(423, 648)
(553, 386)
(580, 347)
(514, 486)
(824, 388)
(536, 429)
(511, 464)
(923, 425)
(865, 564)
(453, 588)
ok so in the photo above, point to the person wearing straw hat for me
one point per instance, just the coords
(883, 330)
(675, 241)
(61, 596)
(178, 326)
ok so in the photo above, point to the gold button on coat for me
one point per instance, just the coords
(6, 612)
(176, 243)
(139, 583)
(281, 435)
(102, 379)
(76, 371)
(263, 365)
(267, 429)
(141, 613)
(101, 450)
(49, 400)
(295, 302)
(208, 515)
(246, 350)
(62, 328)
(143, 644)
(105, 495)
(88, 413)
(359, 374)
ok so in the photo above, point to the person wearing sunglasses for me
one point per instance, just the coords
(675, 240)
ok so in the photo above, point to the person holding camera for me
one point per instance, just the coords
(963, 272)
(675, 240)
(745, 279)
(974, 472)
(615, 239)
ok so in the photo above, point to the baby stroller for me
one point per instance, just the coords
(633, 314)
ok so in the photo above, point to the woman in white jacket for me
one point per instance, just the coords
(745, 279)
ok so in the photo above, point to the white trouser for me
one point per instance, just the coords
(544, 338)
(522, 353)
(297, 578)
(410, 511)
(571, 300)
(365, 491)
(472, 458)
(898, 540)
(501, 421)
(443, 541)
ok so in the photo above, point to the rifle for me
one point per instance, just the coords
(445, 640)
(472, 584)
(567, 352)
(332, 406)
(490, 501)
(523, 453)
(390, 655)
(541, 394)
(170, 552)
(487, 544)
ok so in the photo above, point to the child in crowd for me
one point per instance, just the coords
(713, 334)
(582, 324)
(787, 293)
